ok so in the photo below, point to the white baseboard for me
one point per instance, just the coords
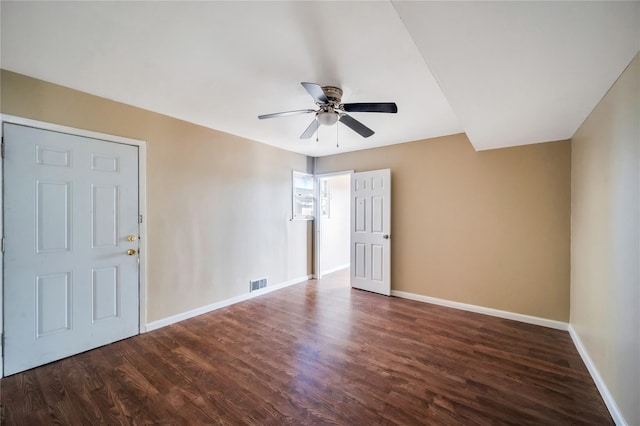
(154, 325)
(595, 375)
(559, 325)
(336, 269)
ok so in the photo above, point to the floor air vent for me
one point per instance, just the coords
(257, 284)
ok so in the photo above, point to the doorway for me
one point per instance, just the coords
(354, 212)
(333, 218)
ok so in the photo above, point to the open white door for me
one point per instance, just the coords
(71, 273)
(371, 231)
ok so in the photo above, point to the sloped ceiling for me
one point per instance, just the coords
(505, 73)
(517, 73)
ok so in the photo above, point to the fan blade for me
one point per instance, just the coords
(316, 92)
(390, 107)
(313, 127)
(356, 126)
(286, 113)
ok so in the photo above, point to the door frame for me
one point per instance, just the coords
(142, 207)
(317, 261)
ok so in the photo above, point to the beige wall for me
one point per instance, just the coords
(605, 234)
(218, 206)
(486, 228)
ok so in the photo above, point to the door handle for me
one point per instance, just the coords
(131, 238)
(131, 252)
(386, 236)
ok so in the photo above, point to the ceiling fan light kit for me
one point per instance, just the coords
(328, 118)
(331, 110)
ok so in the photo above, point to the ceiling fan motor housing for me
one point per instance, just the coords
(334, 94)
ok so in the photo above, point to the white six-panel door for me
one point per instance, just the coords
(71, 216)
(371, 231)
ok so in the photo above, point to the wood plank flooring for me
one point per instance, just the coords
(318, 353)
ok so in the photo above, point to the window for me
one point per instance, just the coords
(302, 191)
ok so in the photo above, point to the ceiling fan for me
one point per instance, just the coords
(331, 110)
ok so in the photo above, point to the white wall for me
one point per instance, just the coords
(605, 251)
(334, 241)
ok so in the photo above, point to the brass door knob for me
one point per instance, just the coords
(131, 252)
(131, 238)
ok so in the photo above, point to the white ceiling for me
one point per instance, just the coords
(506, 73)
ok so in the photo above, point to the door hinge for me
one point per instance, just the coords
(2, 147)
(140, 219)
(2, 244)
(2, 343)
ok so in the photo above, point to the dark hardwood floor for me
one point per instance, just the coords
(318, 353)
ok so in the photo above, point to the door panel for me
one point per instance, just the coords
(69, 204)
(360, 260)
(370, 231)
(377, 262)
(377, 214)
(105, 293)
(53, 216)
(104, 209)
(361, 214)
(53, 303)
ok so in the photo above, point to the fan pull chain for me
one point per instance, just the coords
(337, 141)
(317, 130)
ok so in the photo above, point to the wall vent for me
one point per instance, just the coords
(257, 284)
